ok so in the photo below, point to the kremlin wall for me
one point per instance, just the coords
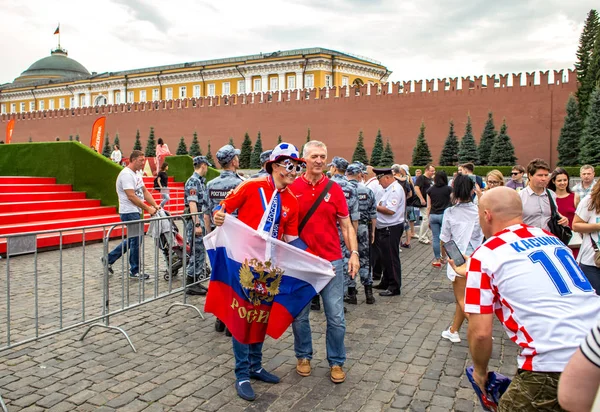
(534, 112)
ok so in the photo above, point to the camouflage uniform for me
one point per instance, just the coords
(195, 191)
(368, 210)
(219, 187)
(264, 158)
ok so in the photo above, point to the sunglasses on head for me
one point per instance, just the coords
(290, 167)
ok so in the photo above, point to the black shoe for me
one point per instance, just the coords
(316, 303)
(380, 286)
(219, 326)
(350, 298)
(227, 333)
(196, 290)
(369, 294)
(108, 265)
(389, 293)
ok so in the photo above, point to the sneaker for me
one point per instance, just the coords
(406, 245)
(337, 374)
(138, 276)
(436, 264)
(425, 242)
(263, 375)
(245, 391)
(303, 367)
(105, 263)
(451, 336)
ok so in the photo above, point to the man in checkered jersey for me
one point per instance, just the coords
(530, 280)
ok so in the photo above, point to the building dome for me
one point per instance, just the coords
(56, 66)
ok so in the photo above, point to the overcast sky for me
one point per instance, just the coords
(416, 39)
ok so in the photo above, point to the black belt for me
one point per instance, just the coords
(388, 227)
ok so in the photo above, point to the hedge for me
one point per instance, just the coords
(181, 168)
(573, 171)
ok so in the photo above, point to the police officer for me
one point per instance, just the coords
(390, 225)
(366, 232)
(196, 201)
(264, 158)
(219, 187)
(337, 168)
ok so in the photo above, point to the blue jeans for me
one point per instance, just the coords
(333, 305)
(132, 243)
(164, 192)
(435, 222)
(247, 358)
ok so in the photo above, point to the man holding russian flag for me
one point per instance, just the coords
(259, 284)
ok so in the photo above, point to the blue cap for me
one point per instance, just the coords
(353, 169)
(363, 167)
(340, 163)
(201, 159)
(226, 154)
(264, 156)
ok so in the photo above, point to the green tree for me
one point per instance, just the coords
(182, 148)
(258, 149)
(570, 135)
(467, 151)
(77, 137)
(209, 155)
(585, 56)
(307, 140)
(421, 153)
(377, 150)
(70, 138)
(503, 152)
(590, 141)
(279, 139)
(151, 145)
(231, 141)
(137, 145)
(195, 146)
(360, 153)
(488, 137)
(246, 152)
(117, 142)
(387, 158)
(449, 155)
(106, 149)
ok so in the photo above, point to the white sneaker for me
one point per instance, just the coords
(451, 336)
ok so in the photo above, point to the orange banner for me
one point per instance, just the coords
(98, 134)
(9, 130)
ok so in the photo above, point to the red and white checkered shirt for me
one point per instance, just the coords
(530, 280)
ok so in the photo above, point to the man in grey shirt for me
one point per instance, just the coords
(536, 204)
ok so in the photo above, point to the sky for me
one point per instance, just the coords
(415, 39)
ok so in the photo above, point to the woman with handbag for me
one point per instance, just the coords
(587, 222)
(566, 202)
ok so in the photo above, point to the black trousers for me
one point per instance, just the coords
(388, 243)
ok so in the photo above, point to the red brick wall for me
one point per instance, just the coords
(534, 114)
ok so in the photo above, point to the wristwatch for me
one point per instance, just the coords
(356, 252)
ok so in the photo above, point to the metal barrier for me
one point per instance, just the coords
(56, 291)
(3, 405)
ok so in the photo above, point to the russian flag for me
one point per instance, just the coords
(259, 284)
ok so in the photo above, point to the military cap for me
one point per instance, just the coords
(201, 159)
(379, 172)
(340, 163)
(264, 156)
(353, 169)
(226, 154)
(363, 167)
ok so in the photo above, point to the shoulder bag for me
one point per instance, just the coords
(314, 206)
(564, 233)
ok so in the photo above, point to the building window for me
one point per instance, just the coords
(130, 97)
(3, 108)
(22, 107)
(328, 82)
(61, 103)
(197, 90)
(309, 80)
(182, 92)
(42, 105)
(169, 93)
(155, 94)
(211, 89)
(142, 95)
(32, 106)
(345, 81)
(241, 86)
(226, 89)
(117, 97)
(51, 104)
(291, 82)
(257, 85)
(274, 83)
(71, 102)
(84, 101)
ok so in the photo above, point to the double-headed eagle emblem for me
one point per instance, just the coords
(261, 280)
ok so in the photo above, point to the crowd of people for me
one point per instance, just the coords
(544, 292)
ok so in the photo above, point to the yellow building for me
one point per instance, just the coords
(59, 82)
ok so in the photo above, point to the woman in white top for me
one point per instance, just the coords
(460, 224)
(116, 155)
(587, 222)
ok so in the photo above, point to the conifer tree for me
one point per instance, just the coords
(77, 137)
(70, 138)
(467, 151)
(570, 135)
(307, 140)
(590, 141)
(360, 153)
(117, 142)
(585, 60)
(377, 150)
(246, 152)
(421, 154)
(151, 145)
(503, 152)
(279, 139)
(387, 158)
(195, 146)
(258, 149)
(106, 149)
(231, 142)
(449, 155)
(137, 145)
(209, 155)
(182, 148)
(488, 138)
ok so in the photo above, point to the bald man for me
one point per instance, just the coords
(531, 281)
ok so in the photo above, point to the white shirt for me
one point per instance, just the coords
(393, 199)
(128, 179)
(530, 280)
(116, 156)
(586, 251)
(374, 185)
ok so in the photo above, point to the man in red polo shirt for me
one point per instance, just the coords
(321, 235)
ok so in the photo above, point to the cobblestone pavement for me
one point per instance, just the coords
(396, 357)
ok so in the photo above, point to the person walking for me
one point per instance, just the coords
(318, 229)
(422, 185)
(584, 187)
(162, 151)
(161, 183)
(116, 156)
(438, 200)
(566, 202)
(132, 193)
